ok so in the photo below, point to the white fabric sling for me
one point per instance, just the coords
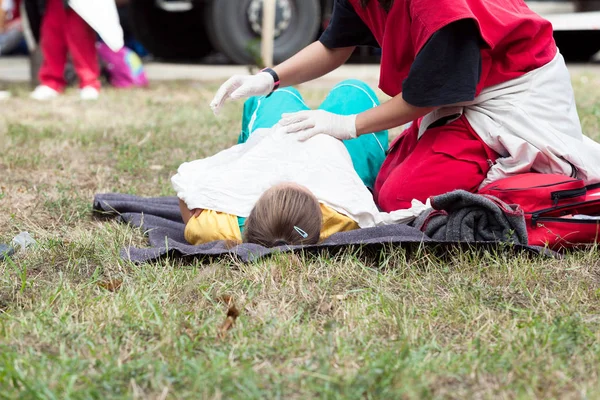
(103, 17)
(532, 122)
(233, 180)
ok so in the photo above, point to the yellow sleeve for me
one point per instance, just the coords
(213, 225)
(334, 222)
(210, 226)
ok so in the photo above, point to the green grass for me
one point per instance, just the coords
(468, 324)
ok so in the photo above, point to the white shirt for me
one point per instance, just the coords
(233, 180)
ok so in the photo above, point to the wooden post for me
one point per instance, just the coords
(268, 32)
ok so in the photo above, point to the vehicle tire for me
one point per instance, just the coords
(169, 35)
(578, 46)
(234, 27)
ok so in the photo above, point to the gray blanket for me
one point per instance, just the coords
(161, 220)
(461, 216)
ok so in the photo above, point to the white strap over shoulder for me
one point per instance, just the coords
(103, 17)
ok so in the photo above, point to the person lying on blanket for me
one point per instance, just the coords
(273, 189)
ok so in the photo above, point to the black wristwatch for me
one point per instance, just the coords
(272, 72)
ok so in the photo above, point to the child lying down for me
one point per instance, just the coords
(273, 190)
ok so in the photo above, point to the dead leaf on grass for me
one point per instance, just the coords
(232, 314)
(111, 285)
(226, 299)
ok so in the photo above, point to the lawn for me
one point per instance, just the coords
(76, 321)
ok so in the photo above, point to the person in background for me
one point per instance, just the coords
(11, 31)
(64, 31)
(11, 34)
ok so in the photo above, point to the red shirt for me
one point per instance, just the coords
(517, 40)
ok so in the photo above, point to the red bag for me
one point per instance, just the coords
(560, 211)
(593, 192)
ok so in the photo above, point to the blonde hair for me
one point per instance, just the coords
(286, 214)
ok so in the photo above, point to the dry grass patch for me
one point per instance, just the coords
(76, 321)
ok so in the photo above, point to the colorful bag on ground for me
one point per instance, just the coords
(124, 67)
(560, 211)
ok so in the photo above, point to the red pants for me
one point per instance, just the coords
(446, 158)
(64, 31)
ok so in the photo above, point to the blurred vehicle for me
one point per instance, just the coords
(191, 29)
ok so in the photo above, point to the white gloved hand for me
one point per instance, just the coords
(404, 216)
(240, 86)
(307, 124)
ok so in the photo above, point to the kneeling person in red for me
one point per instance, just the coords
(482, 81)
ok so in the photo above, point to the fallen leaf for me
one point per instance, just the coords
(226, 299)
(112, 285)
(232, 314)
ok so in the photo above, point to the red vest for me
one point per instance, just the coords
(517, 40)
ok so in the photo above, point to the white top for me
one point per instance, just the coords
(532, 122)
(233, 180)
(103, 17)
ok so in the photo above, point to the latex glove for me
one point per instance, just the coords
(307, 124)
(404, 216)
(241, 86)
